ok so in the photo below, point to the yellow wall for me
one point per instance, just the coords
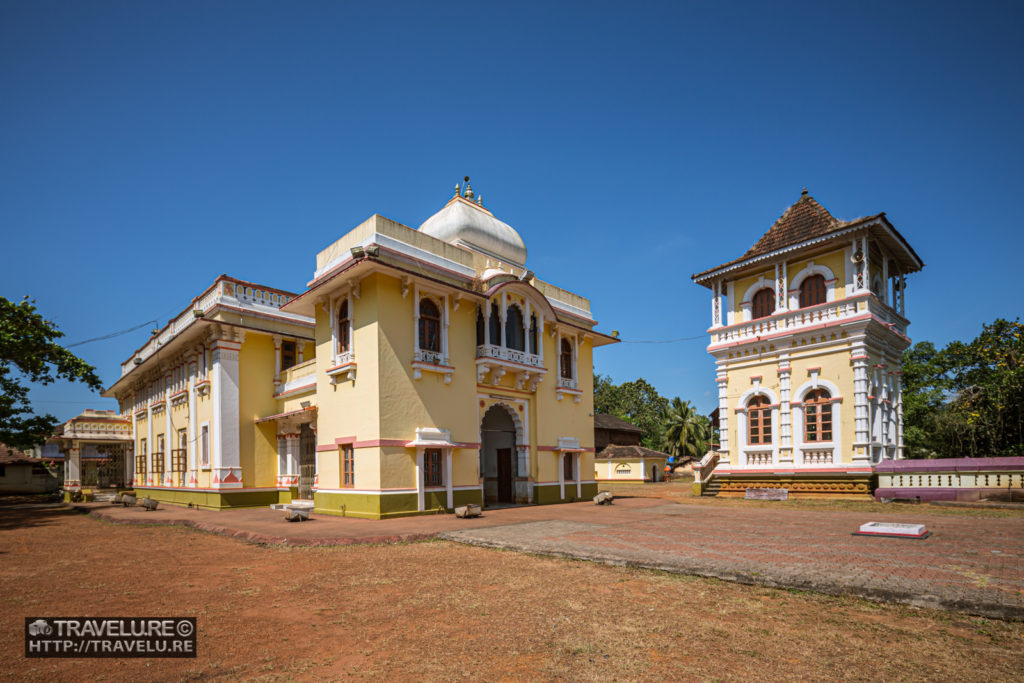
(257, 453)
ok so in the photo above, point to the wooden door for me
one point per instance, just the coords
(307, 462)
(505, 489)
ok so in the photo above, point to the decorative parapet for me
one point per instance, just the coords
(852, 308)
(225, 292)
(957, 479)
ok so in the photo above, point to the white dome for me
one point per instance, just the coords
(463, 222)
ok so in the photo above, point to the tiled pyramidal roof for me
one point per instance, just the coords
(805, 220)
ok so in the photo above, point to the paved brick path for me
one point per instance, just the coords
(970, 564)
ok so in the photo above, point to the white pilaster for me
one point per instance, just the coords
(227, 471)
(448, 485)
(862, 433)
(193, 444)
(73, 468)
(723, 415)
(168, 436)
(577, 469)
(785, 410)
(561, 474)
(419, 477)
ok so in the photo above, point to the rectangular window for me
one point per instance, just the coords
(204, 446)
(289, 354)
(432, 467)
(567, 467)
(348, 472)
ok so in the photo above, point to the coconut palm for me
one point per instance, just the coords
(687, 432)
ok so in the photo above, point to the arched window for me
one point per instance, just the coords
(565, 360)
(759, 421)
(430, 326)
(344, 339)
(515, 335)
(818, 416)
(495, 327)
(764, 303)
(533, 333)
(812, 291)
(481, 328)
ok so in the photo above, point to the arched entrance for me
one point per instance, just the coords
(498, 455)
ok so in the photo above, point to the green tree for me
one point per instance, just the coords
(28, 352)
(637, 402)
(687, 433)
(988, 380)
(926, 387)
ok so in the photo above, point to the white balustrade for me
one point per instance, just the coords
(817, 456)
(511, 355)
(809, 317)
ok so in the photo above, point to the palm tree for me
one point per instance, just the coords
(687, 432)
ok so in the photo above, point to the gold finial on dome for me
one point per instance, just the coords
(458, 190)
(468, 194)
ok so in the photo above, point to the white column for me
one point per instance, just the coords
(578, 466)
(135, 440)
(227, 472)
(867, 270)
(73, 468)
(540, 336)
(448, 484)
(501, 313)
(193, 444)
(277, 355)
(419, 480)
(282, 458)
(898, 401)
(416, 322)
(150, 444)
(444, 330)
(716, 303)
(885, 280)
(730, 297)
(782, 285)
(292, 450)
(785, 410)
(862, 435)
(168, 437)
(903, 295)
(561, 474)
(723, 415)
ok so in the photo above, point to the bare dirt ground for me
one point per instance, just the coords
(441, 611)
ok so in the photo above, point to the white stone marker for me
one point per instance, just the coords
(894, 529)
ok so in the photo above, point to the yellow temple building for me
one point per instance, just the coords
(421, 369)
(807, 330)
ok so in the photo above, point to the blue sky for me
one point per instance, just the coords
(148, 147)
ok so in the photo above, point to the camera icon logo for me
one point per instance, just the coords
(40, 627)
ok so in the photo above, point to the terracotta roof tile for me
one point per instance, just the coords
(617, 451)
(604, 421)
(804, 220)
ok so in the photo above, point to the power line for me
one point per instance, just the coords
(662, 341)
(114, 334)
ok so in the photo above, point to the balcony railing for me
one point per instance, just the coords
(568, 383)
(817, 456)
(432, 357)
(511, 355)
(756, 458)
(812, 316)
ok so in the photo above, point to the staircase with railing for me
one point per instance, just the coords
(704, 483)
